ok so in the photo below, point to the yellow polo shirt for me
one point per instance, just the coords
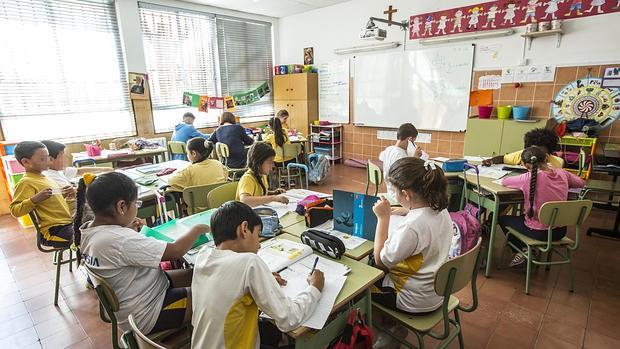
(271, 139)
(515, 159)
(202, 173)
(248, 184)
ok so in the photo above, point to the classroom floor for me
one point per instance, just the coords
(551, 317)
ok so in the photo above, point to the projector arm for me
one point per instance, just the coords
(404, 24)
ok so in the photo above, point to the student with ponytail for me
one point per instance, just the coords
(540, 184)
(412, 252)
(278, 139)
(112, 247)
(253, 189)
(202, 171)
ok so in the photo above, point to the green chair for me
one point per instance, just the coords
(223, 153)
(109, 305)
(176, 148)
(553, 214)
(451, 277)
(222, 194)
(293, 169)
(195, 197)
(58, 253)
(374, 175)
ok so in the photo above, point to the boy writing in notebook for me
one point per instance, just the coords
(231, 284)
(404, 147)
(36, 192)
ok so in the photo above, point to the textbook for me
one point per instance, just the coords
(294, 262)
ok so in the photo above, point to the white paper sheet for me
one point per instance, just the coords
(475, 158)
(440, 159)
(299, 194)
(350, 242)
(295, 276)
(280, 253)
(280, 208)
(489, 172)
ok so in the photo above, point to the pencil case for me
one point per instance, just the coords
(454, 165)
(324, 243)
(270, 220)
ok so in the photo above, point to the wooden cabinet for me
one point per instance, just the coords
(489, 137)
(298, 94)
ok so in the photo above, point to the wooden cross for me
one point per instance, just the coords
(389, 12)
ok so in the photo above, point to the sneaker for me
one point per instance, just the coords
(517, 261)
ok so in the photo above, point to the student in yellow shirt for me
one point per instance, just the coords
(253, 189)
(36, 192)
(543, 138)
(202, 171)
(278, 139)
(283, 116)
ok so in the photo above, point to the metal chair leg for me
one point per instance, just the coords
(458, 321)
(58, 258)
(529, 268)
(549, 258)
(571, 286)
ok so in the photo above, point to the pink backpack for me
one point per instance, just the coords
(468, 225)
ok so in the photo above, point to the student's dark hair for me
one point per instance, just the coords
(426, 181)
(278, 132)
(533, 156)
(282, 113)
(406, 130)
(26, 149)
(200, 146)
(541, 137)
(259, 152)
(228, 117)
(228, 217)
(188, 115)
(54, 148)
(102, 193)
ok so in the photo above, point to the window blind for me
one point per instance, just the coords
(62, 72)
(246, 60)
(203, 53)
(179, 47)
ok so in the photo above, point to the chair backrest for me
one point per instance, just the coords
(106, 294)
(375, 175)
(222, 194)
(141, 339)
(289, 150)
(221, 149)
(465, 268)
(564, 213)
(196, 196)
(176, 147)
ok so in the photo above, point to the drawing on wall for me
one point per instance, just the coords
(586, 99)
(504, 14)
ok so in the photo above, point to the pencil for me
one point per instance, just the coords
(316, 260)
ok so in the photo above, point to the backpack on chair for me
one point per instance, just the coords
(466, 228)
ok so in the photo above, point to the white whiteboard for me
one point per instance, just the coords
(429, 88)
(334, 91)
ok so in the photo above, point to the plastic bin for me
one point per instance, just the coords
(484, 111)
(520, 112)
(504, 111)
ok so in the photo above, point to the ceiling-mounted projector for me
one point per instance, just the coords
(373, 33)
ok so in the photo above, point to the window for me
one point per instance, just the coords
(245, 56)
(189, 51)
(62, 71)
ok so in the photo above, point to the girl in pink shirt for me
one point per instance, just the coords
(541, 184)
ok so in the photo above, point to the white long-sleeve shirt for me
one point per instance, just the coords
(228, 290)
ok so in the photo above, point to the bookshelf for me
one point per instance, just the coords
(327, 140)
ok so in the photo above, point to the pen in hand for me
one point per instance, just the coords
(316, 260)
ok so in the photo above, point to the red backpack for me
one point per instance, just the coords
(356, 334)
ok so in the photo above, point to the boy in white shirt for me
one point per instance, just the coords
(404, 147)
(231, 284)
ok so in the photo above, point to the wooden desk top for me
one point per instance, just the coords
(488, 185)
(358, 253)
(361, 277)
(145, 192)
(602, 185)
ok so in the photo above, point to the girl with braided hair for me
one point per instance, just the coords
(540, 184)
(112, 247)
(253, 189)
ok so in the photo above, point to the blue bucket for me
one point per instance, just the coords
(520, 112)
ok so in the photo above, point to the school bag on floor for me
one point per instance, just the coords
(318, 168)
(356, 334)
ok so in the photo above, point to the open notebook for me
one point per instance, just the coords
(294, 262)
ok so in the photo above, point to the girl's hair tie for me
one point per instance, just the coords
(429, 165)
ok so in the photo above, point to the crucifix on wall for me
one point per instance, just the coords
(389, 12)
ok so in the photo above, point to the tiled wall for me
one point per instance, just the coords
(362, 143)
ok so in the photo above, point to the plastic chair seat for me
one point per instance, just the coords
(534, 242)
(420, 323)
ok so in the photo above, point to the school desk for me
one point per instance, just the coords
(110, 156)
(493, 195)
(146, 192)
(358, 253)
(611, 188)
(355, 293)
(291, 218)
